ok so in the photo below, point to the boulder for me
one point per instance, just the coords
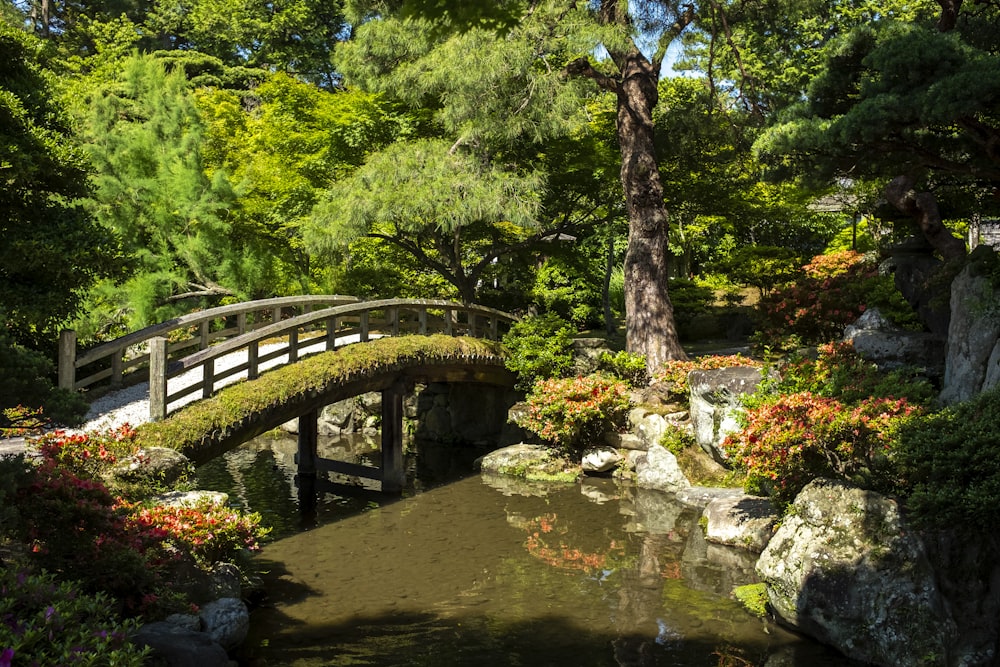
(658, 470)
(845, 569)
(628, 441)
(587, 354)
(181, 647)
(531, 462)
(881, 342)
(160, 465)
(743, 521)
(648, 424)
(972, 359)
(715, 404)
(598, 460)
(191, 498)
(226, 621)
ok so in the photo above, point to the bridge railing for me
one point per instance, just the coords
(127, 358)
(309, 333)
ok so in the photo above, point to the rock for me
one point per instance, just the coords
(191, 498)
(187, 621)
(160, 465)
(336, 418)
(587, 354)
(972, 358)
(879, 341)
(715, 404)
(226, 621)
(647, 424)
(845, 569)
(700, 496)
(654, 512)
(658, 470)
(625, 441)
(600, 459)
(532, 462)
(181, 647)
(224, 581)
(656, 394)
(745, 521)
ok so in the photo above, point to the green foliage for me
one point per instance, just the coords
(689, 299)
(539, 347)
(675, 373)
(794, 438)
(626, 366)
(947, 464)
(51, 251)
(839, 372)
(44, 621)
(763, 267)
(575, 413)
(27, 383)
(676, 439)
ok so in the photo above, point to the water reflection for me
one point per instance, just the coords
(471, 571)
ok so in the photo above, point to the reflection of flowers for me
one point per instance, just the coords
(561, 555)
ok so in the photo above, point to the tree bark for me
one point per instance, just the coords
(649, 324)
(924, 209)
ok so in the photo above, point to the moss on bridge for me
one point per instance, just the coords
(234, 407)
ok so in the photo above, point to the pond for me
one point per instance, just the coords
(469, 570)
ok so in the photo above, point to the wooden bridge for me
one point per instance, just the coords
(270, 333)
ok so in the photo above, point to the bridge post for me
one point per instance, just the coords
(67, 359)
(308, 441)
(393, 475)
(157, 378)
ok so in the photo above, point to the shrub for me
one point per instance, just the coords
(539, 347)
(626, 366)
(948, 464)
(44, 622)
(675, 373)
(573, 413)
(87, 454)
(676, 439)
(794, 438)
(838, 371)
(27, 382)
(834, 290)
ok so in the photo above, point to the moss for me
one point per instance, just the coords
(753, 597)
(310, 376)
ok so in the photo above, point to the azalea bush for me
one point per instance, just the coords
(573, 413)
(833, 291)
(72, 524)
(675, 373)
(838, 371)
(47, 622)
(792, 439)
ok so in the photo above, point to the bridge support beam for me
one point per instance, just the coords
(393, 474)
(308, 444)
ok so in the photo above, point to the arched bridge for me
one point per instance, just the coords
(302, 380)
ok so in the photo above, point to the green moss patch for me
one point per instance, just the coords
(753, 597)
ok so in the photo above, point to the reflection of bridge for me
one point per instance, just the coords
(240, 341)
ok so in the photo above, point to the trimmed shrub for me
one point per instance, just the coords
(949, 464)
(573, 413)
(626, 366)
(539, 347)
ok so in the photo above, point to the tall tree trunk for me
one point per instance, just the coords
(649, 324)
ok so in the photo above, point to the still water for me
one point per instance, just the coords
(467, 570)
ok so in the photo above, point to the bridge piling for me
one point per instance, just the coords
(308, 444)
(393, 474)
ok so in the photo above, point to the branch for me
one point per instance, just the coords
(923, 207)
(199, 291)
(582, 67)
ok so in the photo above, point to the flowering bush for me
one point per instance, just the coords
(795, 438)
(834, 290)
(87, 454)
(208, 533)
(675, 373)
(43, 622)
(838, 371)
(572, 413)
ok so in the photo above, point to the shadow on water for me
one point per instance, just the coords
(470, 570)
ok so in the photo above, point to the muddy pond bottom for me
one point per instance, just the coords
(471, 570)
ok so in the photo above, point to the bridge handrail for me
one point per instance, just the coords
(161, 372)
(70, 361)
